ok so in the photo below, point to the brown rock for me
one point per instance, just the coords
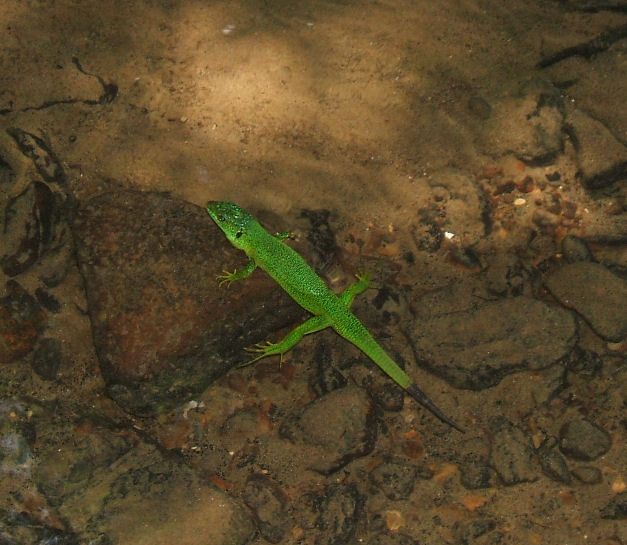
(163, 330)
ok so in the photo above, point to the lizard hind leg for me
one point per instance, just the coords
(362, 284)
(316, 323)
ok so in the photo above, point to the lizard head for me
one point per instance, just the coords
(232, 219)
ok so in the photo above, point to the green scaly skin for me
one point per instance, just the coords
(298, 279)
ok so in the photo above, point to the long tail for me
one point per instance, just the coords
(355, 332)
(421, 398)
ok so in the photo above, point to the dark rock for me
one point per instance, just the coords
(467, 258)
(25, 514)
(474, 465)
(575, 249)
(48, 301)
(7, 174)
(269, 504)
(599, 296)
(583, 440)
(552, 462)
(33, 225)
(47, 358)
(476, 348)
(588, 474)
(321, 237)
(584, 362)
(340, 509)
(427, 236)
(44, 159)
(476, 473)
(21, 322)
(328, 377)
(512, 454)
(337, 428)
(616, 509)
(394, 479)
(162, 329)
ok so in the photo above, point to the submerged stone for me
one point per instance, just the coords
(162, 328)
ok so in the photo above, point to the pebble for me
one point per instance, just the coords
(584, 440)
(528, 123)
(512, 454)
(587, 474)
(575, 249)
(394, 479)
(47, 358)
(595, 293)
(552, 462)
(340, 508)
(337, 428)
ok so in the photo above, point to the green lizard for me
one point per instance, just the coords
(300, 281)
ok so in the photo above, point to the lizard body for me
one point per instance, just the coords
(302, 283)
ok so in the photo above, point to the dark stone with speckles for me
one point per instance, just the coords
(340, 509)
(512, 455)
(394, 479)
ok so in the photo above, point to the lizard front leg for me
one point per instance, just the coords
(229, 277)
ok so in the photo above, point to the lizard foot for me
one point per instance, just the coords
(263, 349)
(226, 278)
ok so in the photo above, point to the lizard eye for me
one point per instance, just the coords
(238, 234)
(221, 217)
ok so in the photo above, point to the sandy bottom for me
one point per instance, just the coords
(450, 148)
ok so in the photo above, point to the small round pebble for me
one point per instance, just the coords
(575, 249)
(587, 474)
(583, 440)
